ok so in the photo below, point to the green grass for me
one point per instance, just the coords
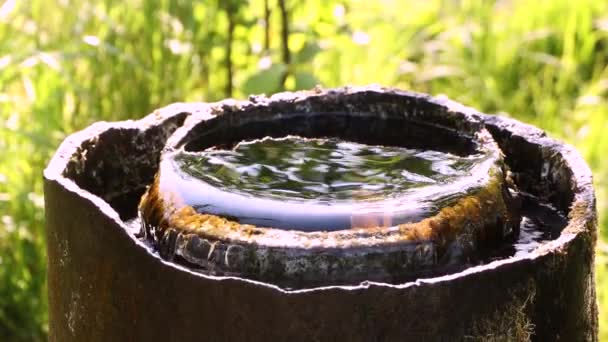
(66, 64)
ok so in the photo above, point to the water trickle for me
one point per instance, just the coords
(540, 222)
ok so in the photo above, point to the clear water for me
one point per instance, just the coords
(324, 170)
(319, 184)
(540, 222)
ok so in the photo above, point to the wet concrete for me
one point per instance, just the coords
(106, 285)
(428, 231)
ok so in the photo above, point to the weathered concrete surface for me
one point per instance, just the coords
(442, 238)
(105, 285)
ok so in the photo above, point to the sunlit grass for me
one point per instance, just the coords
(65, 64)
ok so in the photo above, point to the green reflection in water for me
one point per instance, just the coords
(325, 170)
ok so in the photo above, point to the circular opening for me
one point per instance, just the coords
(302, 197)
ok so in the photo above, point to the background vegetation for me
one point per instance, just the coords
(65, 64)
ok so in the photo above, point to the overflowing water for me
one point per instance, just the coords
(324, 170)
(320, 184)
(540, 222)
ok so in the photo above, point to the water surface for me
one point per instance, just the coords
(319, 184)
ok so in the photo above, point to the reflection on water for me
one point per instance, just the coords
(320, 184)
(540, 222)
(325, 170)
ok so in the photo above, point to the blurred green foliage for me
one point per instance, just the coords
(65, 64)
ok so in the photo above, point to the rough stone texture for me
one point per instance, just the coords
(105, 285)
(436, 242)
